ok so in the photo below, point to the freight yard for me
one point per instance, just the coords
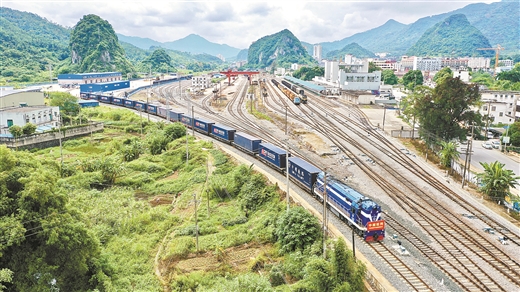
(434, 231)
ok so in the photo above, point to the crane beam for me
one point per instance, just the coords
(497, 53)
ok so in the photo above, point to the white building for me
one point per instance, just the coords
(501, 106)
(353, 77)
(19, 107)
(427, 64)
(506, 63)
(280, 71)
(295, 66)
(331, 71)
(316, 53)
(479, 63)
(201, 82)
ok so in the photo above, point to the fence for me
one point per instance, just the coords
(405, 134)
(51, 138)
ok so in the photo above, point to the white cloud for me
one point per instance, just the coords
(239, 23)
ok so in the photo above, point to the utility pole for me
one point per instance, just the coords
(487, 120)
(61, 148)
(285, 120)
(192, 122)
(287, 172)
(196, 223)
(324, 215)
(468, 157)
(384, 115)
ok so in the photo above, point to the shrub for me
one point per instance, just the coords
(297, 229)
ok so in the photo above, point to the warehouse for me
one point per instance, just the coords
(68, 80)
(103, 87)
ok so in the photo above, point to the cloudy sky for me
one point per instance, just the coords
(239, 23)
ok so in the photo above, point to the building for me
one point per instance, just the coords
(295, 66)
(502, 106)
(455, 63)
(105, 86)
(85, 78)
(479, 63)
(351, 77)
(427, 64)
(506, 63)
(316, 52)
(201, 82)
(20, 107)
(387, 64)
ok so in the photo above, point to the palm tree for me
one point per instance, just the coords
(496, 180)
(448, 153)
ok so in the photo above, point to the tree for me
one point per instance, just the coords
(407, 104)
(319, 275)
(16, 131)
(389, 77)
(442, 111)
(297, 229)
(29, 129)
(496, 180)
(442, 74)
(372, 67)
(448, 153)
(47, 245)
(68, 103)
(514, 134)
(412, 79)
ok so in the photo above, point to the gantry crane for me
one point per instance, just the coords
(497, 53)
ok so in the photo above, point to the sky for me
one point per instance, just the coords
(239, 23)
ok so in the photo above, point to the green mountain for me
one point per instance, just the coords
(452, 36)
(242, 55)
(281, 49)
(353, 49)
(142, 43)
(29, 44)
(196, 44)
(95, 48)
(498, 22)
(159, 61)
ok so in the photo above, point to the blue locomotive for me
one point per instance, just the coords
(358, 211)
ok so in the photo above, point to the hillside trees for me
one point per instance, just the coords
(308, 73)
(388, 76)
(47, 245)
(496, 180)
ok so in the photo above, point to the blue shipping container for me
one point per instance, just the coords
(303, 171)
(175, 116)
(84, 95)
(129, 103)
(223, 132)
(272, 154)
(247, 142)
(117, 100)
(186, 120)
(202, 125)
(140, 106)
(151, 109)
(105, 99)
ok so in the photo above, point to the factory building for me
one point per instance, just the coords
(87, 78)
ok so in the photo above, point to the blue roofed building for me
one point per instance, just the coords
(88, 78)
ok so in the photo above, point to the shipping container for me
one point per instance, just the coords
(151, 109)
(202, 126)
(273, 155)
(303, 172)
(175, 116)
(129, 103)
(105, 98)
(140, 106)
(84, 95)
(118, 101)
(247, 142)
(224, 133)
(186, 120)
(161, 111)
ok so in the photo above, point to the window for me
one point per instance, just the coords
(501, 114)
(484, 108)
(493, 108)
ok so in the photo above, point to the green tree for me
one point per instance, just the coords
(442, 111)
(448, 153)
(319, 275)
(174, 131)
(16, 131)
(442, 74)
(412, 79)
(372, 67)
(45, 244)
(512, 75)
(29, 129)
(343, 262)
(389, 77)
(410, 111)
(514, 133)
(67, 102)
(297, 229)
(111, 168)
(496, 180)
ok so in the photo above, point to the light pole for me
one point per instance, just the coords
(287, 171)
(467, 161)
(324, 214)
(285, 120)
(487, 120)
(196, 223)
(384, 116)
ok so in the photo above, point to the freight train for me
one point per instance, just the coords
(297, 90)
(353, 208)
(287, 91)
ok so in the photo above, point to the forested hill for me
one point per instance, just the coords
(452, 36)
(95, 48)
(280, 49)
(29, 44)
(353, 49)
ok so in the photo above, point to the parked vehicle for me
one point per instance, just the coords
(495, 144)
(487, 145)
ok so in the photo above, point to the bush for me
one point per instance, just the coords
(297, 229)
(180, 248)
